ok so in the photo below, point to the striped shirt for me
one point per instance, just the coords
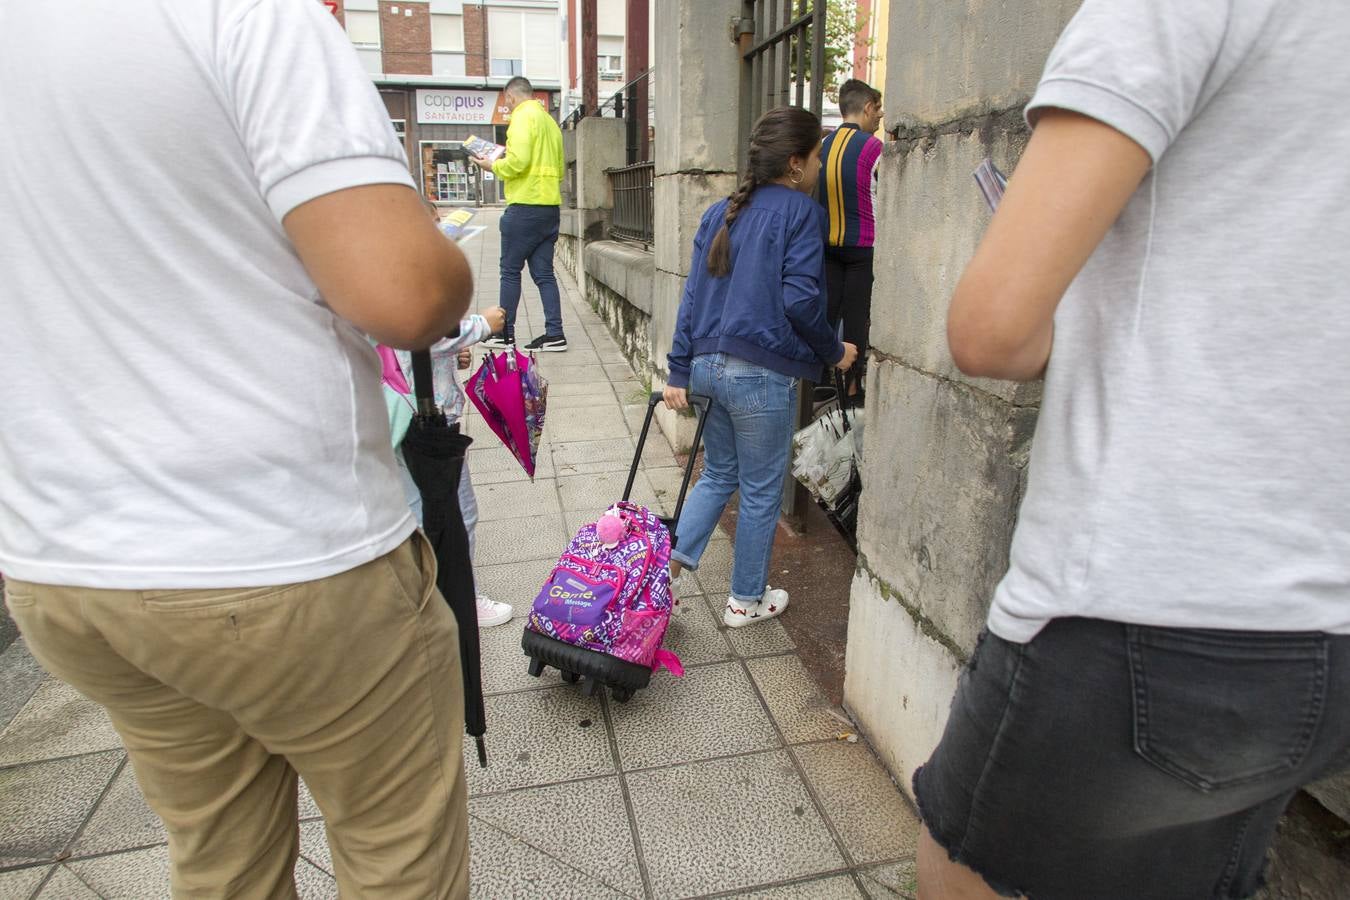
(848, 186)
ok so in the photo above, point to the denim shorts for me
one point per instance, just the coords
(1104, 760)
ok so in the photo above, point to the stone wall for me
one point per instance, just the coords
(946, 454)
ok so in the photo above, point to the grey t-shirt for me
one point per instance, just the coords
(1191, 467)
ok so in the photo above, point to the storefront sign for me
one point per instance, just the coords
(465, 107)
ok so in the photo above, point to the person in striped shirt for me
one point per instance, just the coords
(848, 191)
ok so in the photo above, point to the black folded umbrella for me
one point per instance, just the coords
(434, 451)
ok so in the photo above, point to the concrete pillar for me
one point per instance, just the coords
(697, 124)
(599, 146)
(945, 455)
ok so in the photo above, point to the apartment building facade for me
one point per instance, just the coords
(441, 65)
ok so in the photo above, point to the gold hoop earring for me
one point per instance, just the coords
(800, 175)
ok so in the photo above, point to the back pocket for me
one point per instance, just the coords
(1217, 709)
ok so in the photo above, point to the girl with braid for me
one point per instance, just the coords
(751, 323)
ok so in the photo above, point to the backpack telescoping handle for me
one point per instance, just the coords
(700, 405)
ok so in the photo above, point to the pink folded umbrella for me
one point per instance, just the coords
(512, 396)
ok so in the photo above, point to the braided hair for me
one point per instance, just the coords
(779, 135)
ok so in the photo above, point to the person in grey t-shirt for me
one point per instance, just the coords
(1168, 657)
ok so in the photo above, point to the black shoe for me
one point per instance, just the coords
(500, 341)
(549, 343)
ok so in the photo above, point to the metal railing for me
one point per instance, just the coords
(634, 202)
(628, 103)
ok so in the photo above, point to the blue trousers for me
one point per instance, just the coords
(528, 236)
(746, 443)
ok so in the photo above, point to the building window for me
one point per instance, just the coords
(447, 33)
(611, 68)
(400, 128)
(524, 43)
(364, 28)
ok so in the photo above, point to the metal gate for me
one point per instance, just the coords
(782, 44)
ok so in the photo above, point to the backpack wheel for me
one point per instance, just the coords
(536, 667)
(621, 695)
(570, 677)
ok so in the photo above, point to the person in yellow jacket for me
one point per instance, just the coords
(531, 171)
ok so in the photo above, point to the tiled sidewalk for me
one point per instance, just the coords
(729, 782)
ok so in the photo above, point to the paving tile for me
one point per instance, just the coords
(538, 738)
(612, 449)
(57, 721)
(552, 821)
(516, 500)
(20, 677)
(835, 887)
(581, 424)
(579, 388)
(576, 355)
(714, 569)
(19, 884)
(308, 808)
(708, 713)
(122, 821)
(896, 881)
(505, 665)
(43, 805)
(493, 464)
(503, 866)
(729, 824)
(576, 374)
(140, 874)
(312, 883)
(518, 540)
(762, 639)
(314, 845)
(593, 494)
(693, 634)
(66, 885)
(618, 371)
(858, 796)
(795, 701)
(605, 402)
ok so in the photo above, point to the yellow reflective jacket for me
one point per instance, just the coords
(532, 168)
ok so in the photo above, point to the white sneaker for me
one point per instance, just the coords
(770, 606)
(492, 613)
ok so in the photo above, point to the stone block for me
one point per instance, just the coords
(698, 119)
(601, 145)
(585, 224)
(681, 201)
(626, 270)
(953, 60)
(931, 218)
(665, 308)
(678, 428)
(1334, 794)
(944, 468)
(898, 681)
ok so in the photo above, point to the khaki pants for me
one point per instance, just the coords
(223, 696)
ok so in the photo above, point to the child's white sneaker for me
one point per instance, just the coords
(770, 606)
(492, 613)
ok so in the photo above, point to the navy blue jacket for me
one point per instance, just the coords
(771, 309)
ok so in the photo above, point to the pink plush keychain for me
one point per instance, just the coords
(611, 528)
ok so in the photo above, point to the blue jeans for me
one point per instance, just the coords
(528, 236)
(745, 447)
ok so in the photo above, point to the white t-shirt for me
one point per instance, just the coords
(1191, 466)
(178, 408)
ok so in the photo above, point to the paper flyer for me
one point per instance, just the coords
(485, 149)
(992, 183)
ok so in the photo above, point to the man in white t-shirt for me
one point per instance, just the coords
(1168, 656)
(201, 521)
